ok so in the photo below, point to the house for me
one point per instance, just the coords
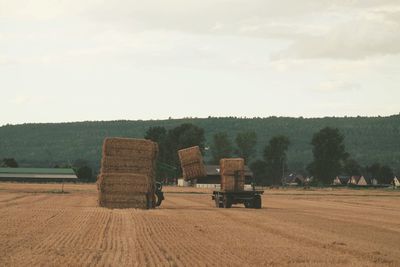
(341, 180)
(374, 181)
(183, 183)
(396, 182)
(294, 179)
(336, 181)
(358, 180)
(362, 181)
(37, 174)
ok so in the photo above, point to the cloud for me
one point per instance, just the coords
(371, 33)
(337, 86)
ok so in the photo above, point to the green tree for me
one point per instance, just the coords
(184, 136)
(374, 170)
(383, 173)
(9, 163)
(275, 158)
(329, 154)
(246, 144)
(158, 134)
(83, 170)
(386, 174)
(352, 167)
(221, 147)
(85, 174)
(259, 169)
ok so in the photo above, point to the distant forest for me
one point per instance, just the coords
(367, 139)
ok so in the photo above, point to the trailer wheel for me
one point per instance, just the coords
(248, 204)
(218, 202)
(216, 199)
(227, 201)
(257, 202)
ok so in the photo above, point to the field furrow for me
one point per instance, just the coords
(343, 228)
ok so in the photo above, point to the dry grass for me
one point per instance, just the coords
(295, 227)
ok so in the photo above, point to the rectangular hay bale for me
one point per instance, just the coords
(192, 163)
(232, 174)
(127, 173)
(123, 201)
(117, 144)
(121, 183)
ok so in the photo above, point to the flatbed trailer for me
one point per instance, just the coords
(250, 198)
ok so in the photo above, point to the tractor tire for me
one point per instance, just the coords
(159, 198)
(257, 202)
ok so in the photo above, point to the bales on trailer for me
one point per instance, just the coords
(126, 177)
(192, 163)
(232, 174)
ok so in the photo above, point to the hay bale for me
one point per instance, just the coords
(122, 201)
(121, 183)
(125, 165)
(127, 173)
(116, 143)
(192, 163)
(232, 174)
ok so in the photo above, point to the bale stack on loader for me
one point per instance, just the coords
(232, 174)
(192, 163)
(127, 175)
(232, 186)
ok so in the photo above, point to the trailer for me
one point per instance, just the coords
(250, 198)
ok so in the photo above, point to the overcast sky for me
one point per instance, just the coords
(71, 60)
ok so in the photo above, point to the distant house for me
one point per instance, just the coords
(396, 182)
(341, 180)
(308, 180)
(37, 174)
(295, 179)
(374, 181)
(362, 181)
(358, 180)
(183, 183)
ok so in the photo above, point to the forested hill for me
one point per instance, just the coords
(367, 139)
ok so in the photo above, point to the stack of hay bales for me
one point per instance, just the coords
(126, 177)
(232, 174)
(192, 163)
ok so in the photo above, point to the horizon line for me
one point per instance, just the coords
(203, 118)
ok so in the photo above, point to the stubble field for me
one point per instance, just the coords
(39, 226)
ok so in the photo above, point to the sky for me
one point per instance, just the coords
(70, 60)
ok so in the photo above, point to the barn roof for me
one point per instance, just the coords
(45, 173)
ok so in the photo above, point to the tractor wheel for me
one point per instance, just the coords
(257, 202)
(159, 197)
(227, 202)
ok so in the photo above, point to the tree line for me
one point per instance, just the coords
(330, 157)
(368, 139)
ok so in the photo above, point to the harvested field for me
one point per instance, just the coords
(39, 226)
